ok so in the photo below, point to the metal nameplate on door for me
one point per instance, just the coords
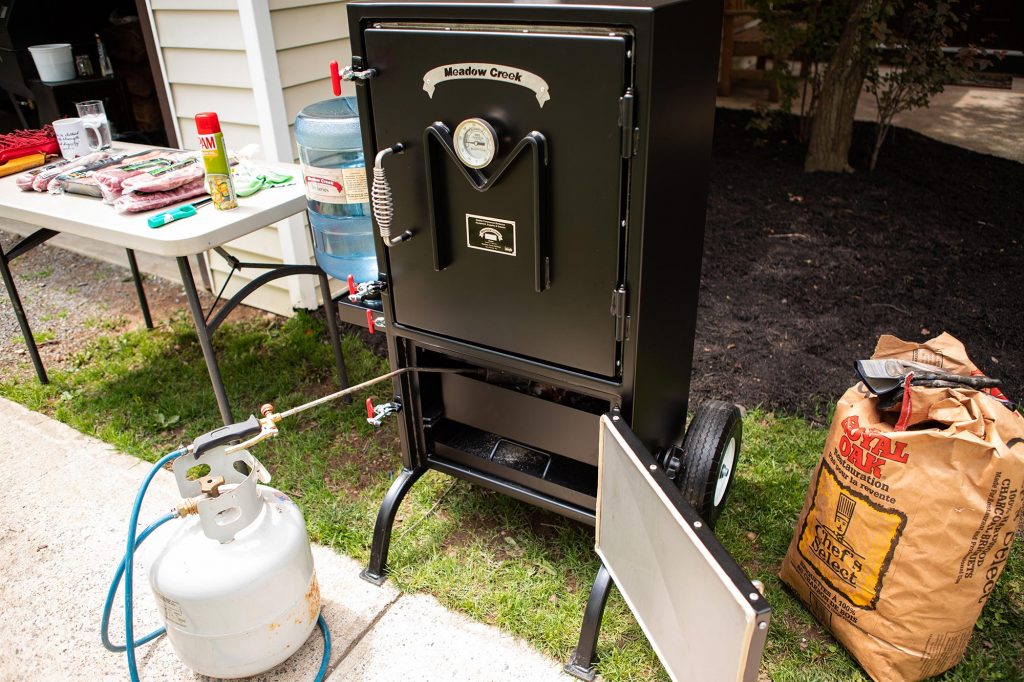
(703, 616)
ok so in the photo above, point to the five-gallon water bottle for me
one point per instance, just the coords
(331, 152)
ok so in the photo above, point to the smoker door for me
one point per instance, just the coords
(522, 258)
(703, 616)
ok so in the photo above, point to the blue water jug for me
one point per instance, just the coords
(337, 196)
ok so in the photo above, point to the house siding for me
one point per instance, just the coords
(204, 52)
(308, 34)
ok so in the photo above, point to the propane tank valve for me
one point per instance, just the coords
(210, 486)
(268, 429)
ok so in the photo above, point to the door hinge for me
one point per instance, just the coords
(618, 310)
(629, 134)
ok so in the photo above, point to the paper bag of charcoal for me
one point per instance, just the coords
(912, 510)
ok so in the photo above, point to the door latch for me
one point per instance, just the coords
(360, 291)
(347, 73)
(618, 311)
(376, 414)
(351, 74)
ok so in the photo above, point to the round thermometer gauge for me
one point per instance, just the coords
(475, 142)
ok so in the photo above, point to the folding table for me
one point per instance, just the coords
(209, 229)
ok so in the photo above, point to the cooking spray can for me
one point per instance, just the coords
(215, 159)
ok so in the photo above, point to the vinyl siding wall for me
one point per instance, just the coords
(308, 34)
(204, 52)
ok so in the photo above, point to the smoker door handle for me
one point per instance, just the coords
(537, 144)
(542, 259)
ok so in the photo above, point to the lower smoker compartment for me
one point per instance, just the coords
(546, 474)
(532, 440)
(536, 421)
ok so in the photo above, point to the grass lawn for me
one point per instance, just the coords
(496, 559)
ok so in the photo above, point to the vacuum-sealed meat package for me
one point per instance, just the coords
(25, 180)
(162, 179)
(134, 202)
(41, 182)
(78, 178)
(111, 179)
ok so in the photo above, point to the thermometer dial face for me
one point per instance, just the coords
(475, 142)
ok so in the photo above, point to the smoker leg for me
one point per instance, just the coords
(374, 572)
(332, 331)
(203, 332)
(19, 312)
(581, 664)
(143, 303)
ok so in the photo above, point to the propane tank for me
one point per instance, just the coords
(235, 583)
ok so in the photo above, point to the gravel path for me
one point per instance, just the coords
(71, 299)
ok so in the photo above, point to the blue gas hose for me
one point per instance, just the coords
(112, 592)
(129, 560)
(125, 568)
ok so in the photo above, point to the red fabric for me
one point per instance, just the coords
(907, 408)
(24, 142)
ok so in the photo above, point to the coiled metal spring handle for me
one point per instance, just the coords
(381, 199)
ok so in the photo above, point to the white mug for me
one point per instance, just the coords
(71, 138)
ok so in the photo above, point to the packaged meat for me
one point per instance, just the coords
(79, 179)
(110, 179)
(164, 179)
(42, 181)
(25, 180)
(134, 202)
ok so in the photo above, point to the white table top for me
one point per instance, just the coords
(90, 217)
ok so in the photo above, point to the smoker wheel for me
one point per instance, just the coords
(710, 453)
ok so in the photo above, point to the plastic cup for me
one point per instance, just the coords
(97, 128)
(54, 62)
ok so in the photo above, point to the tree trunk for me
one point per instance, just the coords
(832, 127)
(881, 131)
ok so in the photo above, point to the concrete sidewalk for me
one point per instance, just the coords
(984, 120)
(63, 515)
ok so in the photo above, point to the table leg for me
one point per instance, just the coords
(19, 312)
(137, 276)
(203, 332)
(332, 329)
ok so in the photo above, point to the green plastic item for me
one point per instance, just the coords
(186, 211)
(249, 179)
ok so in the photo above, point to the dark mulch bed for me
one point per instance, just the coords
(803, 272)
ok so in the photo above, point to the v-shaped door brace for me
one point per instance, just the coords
(534, 141)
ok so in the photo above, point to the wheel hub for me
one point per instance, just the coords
(725, 471)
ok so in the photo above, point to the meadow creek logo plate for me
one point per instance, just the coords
(491, 72)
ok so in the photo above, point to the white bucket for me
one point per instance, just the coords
(54, 62)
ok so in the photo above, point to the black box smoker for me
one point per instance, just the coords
(539, 185)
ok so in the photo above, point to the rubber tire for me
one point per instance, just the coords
(713, 426)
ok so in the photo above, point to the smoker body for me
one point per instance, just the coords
(546, 165)
(596, 308)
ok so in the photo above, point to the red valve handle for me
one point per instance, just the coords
(352, 289)
(335, 78)
(369, 408)
(369, 321)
